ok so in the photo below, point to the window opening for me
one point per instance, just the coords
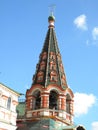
(38, 100)
(9, 103)
(68, 103)
(53, 100)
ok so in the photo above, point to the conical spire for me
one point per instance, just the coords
(50, 69)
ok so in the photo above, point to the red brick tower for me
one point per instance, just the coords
(49, 96)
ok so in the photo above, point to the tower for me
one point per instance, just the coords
(49, 101)
(49, 97)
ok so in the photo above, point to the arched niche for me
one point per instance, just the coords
(37, 99)
(68, 99)
(53, 99)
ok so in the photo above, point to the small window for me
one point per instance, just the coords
(52, 56)
(42, 67)
(52, 67)
(9, 103)
(53, 78)
(40, 78)
(67, 107)
(68, 99)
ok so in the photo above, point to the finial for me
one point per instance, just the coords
(51, 18)
(51, 9)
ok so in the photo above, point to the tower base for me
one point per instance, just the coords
(44, 124)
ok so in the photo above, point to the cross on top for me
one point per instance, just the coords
(51, 9)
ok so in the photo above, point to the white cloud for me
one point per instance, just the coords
(80, 22)
(95, 125)
(82, 103)
(95, 33)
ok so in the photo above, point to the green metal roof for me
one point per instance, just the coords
(51, 18)
(20, 110)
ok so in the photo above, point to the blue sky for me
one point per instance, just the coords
(23, 27)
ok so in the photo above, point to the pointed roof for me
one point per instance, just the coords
(49, 69)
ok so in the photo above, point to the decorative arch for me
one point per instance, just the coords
(42, 63)
(56, 90)
(40, 73)
(69, 91)
(34, 88)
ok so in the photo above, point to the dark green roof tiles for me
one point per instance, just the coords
(49, 69)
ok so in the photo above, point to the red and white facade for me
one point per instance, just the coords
(8, 103)
(63, 110)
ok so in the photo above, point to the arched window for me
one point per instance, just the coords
(53, 100)
(9, 103)
(37, 102)
(68, 103)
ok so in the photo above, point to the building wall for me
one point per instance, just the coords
(8, 103)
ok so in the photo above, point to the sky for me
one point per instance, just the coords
(23, 28)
